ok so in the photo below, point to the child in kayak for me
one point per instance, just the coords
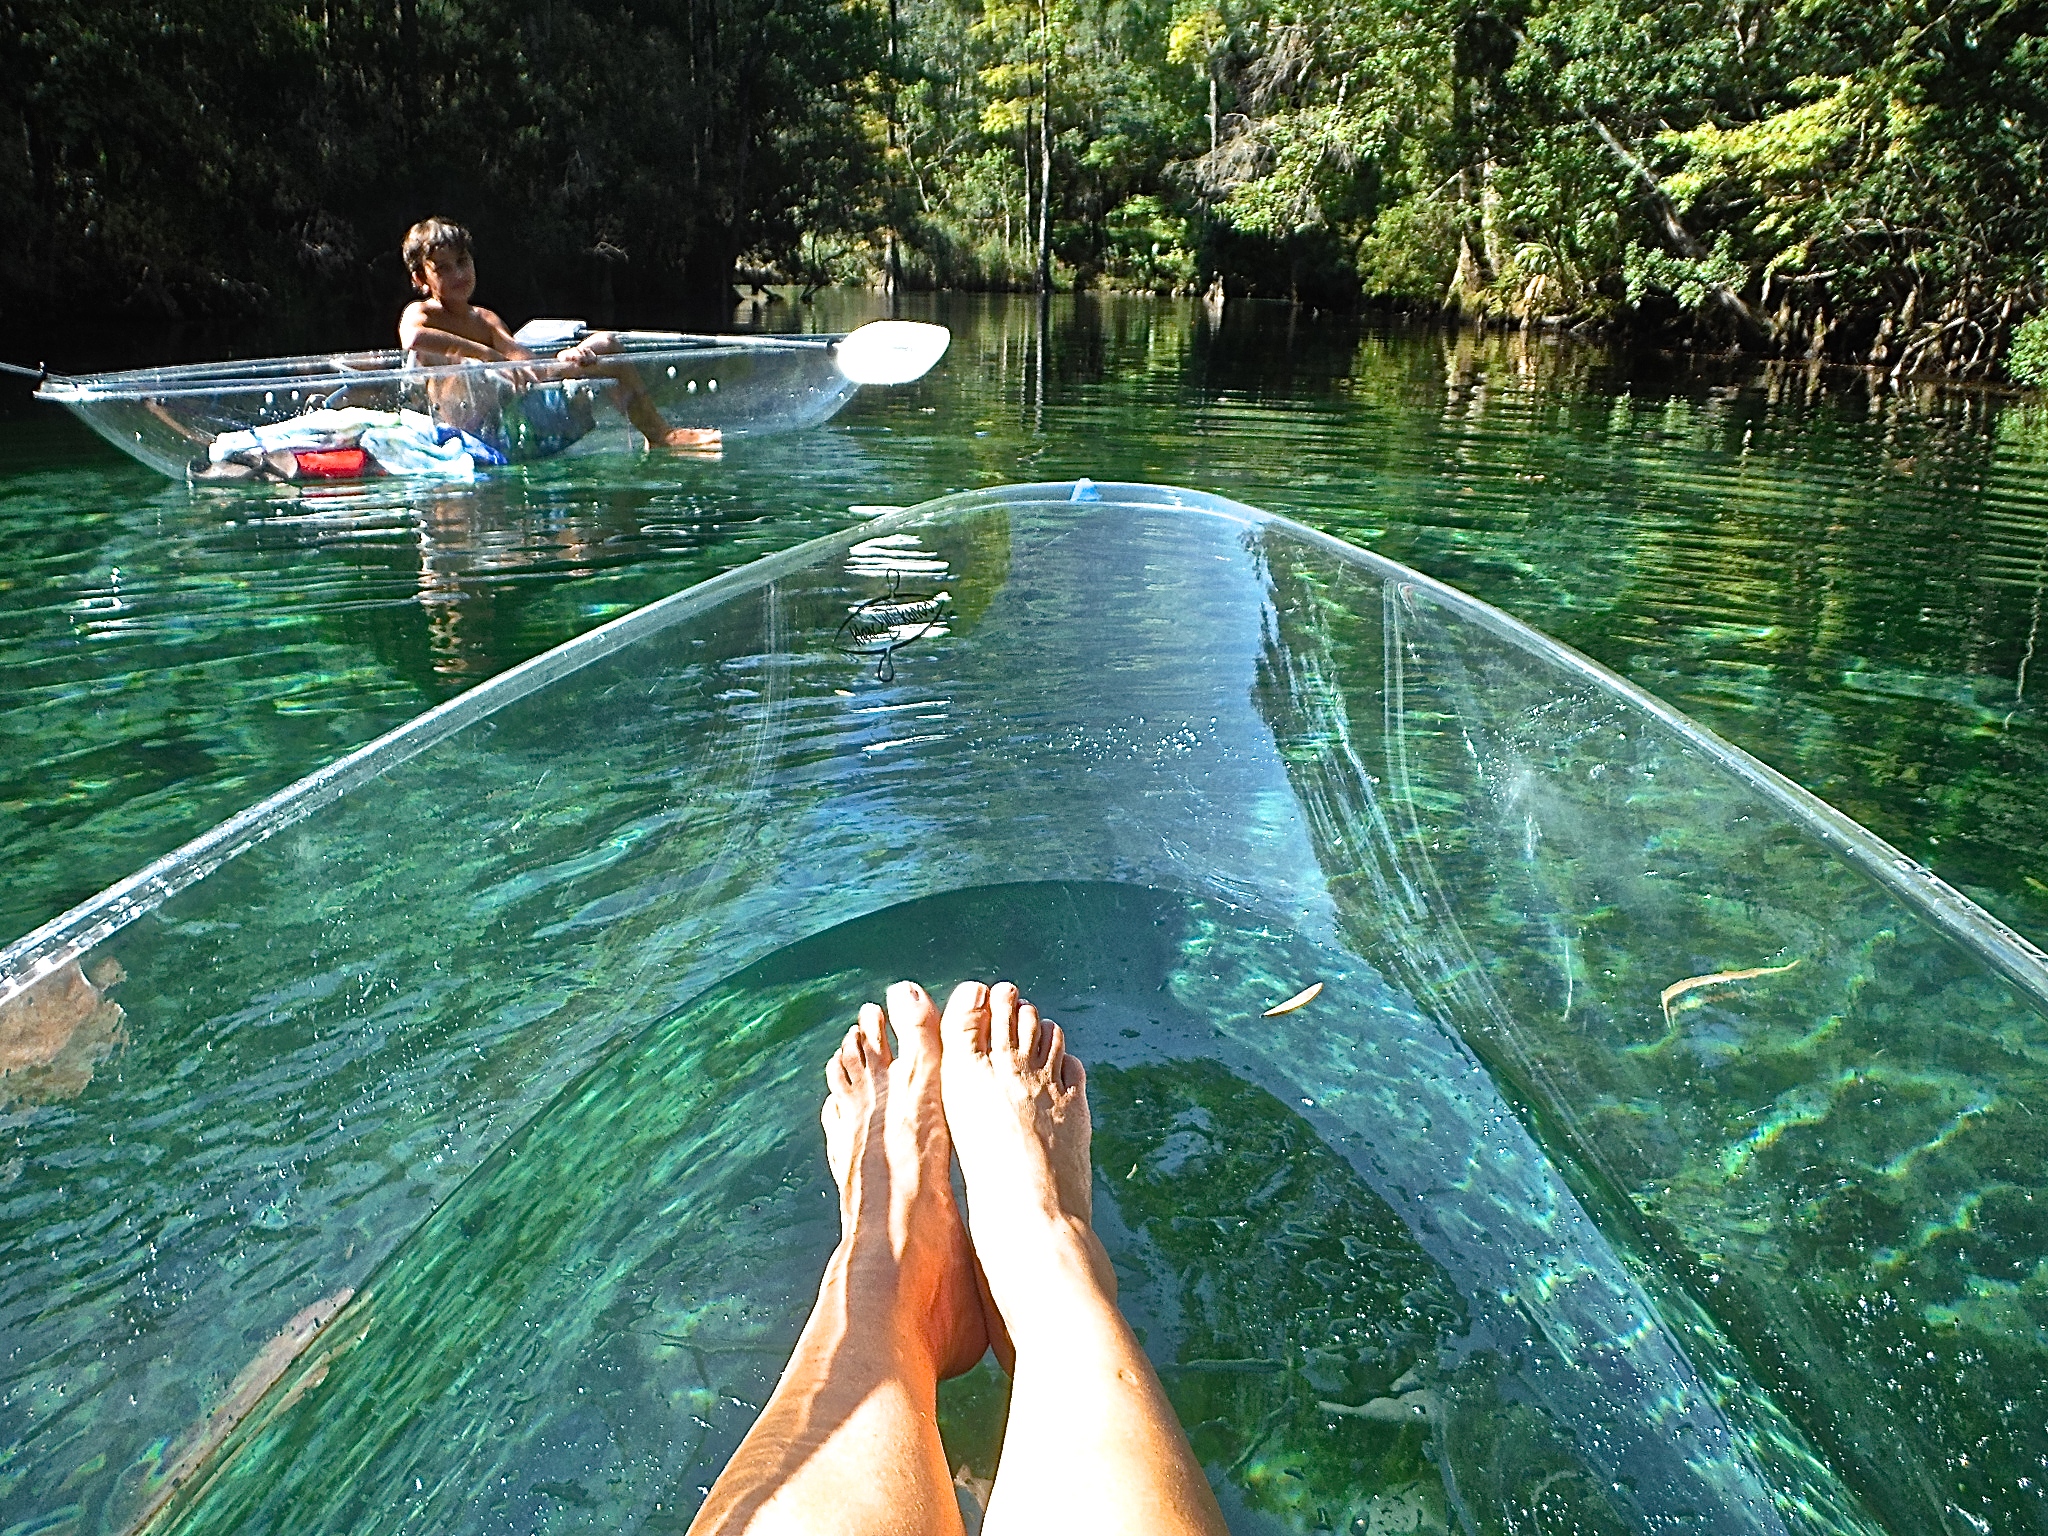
(443, 327)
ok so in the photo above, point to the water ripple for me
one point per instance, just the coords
(1851, 588)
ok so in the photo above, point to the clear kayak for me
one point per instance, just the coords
(255, 418)
(1516, 1108)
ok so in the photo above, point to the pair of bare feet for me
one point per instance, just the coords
(849, 1440)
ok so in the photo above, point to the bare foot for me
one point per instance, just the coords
(651, 424)
(1083, 1397)
(691, 437)
(887, 1144)
(1018, 1105)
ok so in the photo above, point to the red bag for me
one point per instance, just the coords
(332, 463)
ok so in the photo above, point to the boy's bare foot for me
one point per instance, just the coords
(887, 1144)
(690, 437)
(1018, 1105)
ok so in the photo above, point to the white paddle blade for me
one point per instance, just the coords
(549, 333)
(891, 351)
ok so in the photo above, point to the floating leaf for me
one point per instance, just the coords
(1300, 999)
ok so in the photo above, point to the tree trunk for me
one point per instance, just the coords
(1030, 123)
(1044, 205)
(1045, 147)
(1468, 284)
(1489, 216)
(409, 114)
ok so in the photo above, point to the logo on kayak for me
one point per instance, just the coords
(882, 626)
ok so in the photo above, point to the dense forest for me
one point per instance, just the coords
(1860, 180)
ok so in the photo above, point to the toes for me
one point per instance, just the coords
(838, 1082)
(1002, 1009)
(873, 1034)
(965, 1026)
(915, 1018)
(1035, 1037)
(1072, 1075)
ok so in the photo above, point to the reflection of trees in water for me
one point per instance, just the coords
(1839, 576)
(444, 550)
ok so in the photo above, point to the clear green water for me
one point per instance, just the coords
(581, 1333)
(657, 1232)
(1825, 1183)
(1853, 591)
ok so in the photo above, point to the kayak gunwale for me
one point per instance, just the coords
(73, 933)
(349, 369)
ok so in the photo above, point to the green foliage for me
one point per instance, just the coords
(1412, 252)
(1149, 248)
(1691, 278)
(1866, 181)
(981, 79)
(189, 155)
(1310, 156)
(1858, 179)
(941, 254)
(2028, 362)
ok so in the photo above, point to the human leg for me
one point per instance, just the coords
(639, 408)
(849, 1440)
(596, 354)
(1092, 1444)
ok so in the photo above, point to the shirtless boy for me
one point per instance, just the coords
(444, 327)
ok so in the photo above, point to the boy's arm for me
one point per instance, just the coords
(418, 333)
(501, 337)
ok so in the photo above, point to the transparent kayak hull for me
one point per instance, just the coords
(167, 417)
(436, 1141)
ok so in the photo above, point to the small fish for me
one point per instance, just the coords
(1300, 999)
(1679, 988)
(1408, 1408)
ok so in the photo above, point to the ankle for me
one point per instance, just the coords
(1050, 1270)
(887, 1291)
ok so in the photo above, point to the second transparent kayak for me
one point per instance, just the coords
(170, 418)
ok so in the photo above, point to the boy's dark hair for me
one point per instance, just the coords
(429, 236)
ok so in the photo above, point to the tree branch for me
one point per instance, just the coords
(1667, 215)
